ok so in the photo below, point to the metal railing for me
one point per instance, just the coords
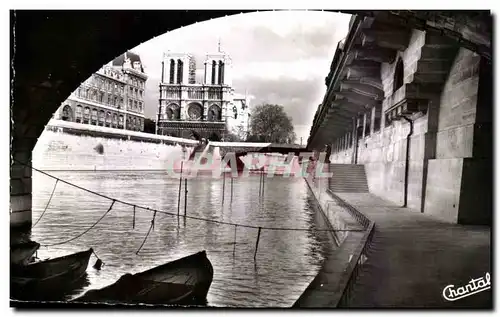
(355, 266)
(361, 253)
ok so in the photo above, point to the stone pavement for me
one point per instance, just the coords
(413, 257)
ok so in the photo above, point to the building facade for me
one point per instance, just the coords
(185, 105)
(239, 119)
(112, 97)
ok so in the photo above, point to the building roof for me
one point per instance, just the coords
(120, 59)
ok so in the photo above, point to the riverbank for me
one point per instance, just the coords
(62, 151)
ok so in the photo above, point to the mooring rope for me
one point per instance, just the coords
(184, 216)
(147, 234)
(81, 234)
(46, 206)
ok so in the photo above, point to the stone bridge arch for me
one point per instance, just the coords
(56, 39)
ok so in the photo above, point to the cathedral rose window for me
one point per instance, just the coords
(194, 112)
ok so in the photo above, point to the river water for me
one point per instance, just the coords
(286, 261)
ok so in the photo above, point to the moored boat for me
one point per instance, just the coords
(22, 253)
(184, 281)
(40, 279)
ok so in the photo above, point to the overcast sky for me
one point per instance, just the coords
(278, 57)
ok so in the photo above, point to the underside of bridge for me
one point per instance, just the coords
(53, 52)
(412, 102)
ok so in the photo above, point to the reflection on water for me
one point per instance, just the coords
(286, 261)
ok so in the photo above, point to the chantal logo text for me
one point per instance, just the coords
(450, 293)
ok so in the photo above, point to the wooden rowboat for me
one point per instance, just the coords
(183, 282)
(40, 279)
(22, 253)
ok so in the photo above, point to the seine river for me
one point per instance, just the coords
(286, 262)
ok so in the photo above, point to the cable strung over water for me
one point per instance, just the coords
(135, 206)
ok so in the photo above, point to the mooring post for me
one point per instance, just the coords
(263, 182)
(133, 220)
(234, 245)
(223, 186)
(185, 195)
(231, 189)
(260, 183)
(180, 188)
(257, 244)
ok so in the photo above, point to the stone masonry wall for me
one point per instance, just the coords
(455, 140)
(450, 144)
(383, 152)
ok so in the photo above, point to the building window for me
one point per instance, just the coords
(120, 121)
(367, 123)
(214, 65)
(130, 104)
(180, 67)
(67, 113)
(221, 72)
(94, 116)
(108, 119)
(86, 115)
(115, 120)
(135, 93)
(135, 105)
(172, 71)
(170, 113)
(398, 75)
(101, 117)
(214, 113)
(140, 106)
(131, 91)
(378, 115)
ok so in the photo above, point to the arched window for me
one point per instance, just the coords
(221, 72)
(86, 115)
(170, 114)
(100, 117)
(214, 66)
(398, 75)
(180, 67)
(67, 113)
(177, 113)
(108, 119)
(214, 113)
(94, 116)
(120, 121)
(172, 70)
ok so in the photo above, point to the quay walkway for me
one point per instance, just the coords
(410, 258)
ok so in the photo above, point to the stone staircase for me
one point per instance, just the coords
(348, 178)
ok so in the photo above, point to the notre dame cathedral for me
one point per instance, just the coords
(209, 108)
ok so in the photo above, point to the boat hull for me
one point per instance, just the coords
(21, 254)
(182, 282)
(49, 278)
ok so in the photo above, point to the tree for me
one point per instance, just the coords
(270, 123)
